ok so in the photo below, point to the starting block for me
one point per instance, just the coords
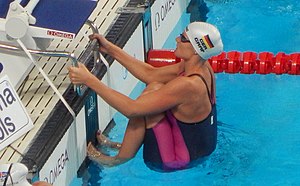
(36, 23)
(66, 16)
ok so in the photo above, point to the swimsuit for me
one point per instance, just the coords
(172, 144)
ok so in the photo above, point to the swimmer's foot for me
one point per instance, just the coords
(104, 141)
(93, 153)
(100, 158)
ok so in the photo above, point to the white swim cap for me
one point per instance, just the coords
(205, 38)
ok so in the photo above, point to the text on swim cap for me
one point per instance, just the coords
(204, 43)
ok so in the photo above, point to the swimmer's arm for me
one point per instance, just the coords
(144, 71)
(170, 95)
(141, 70)
(151, 103)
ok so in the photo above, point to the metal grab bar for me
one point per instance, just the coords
(42, 53)
(88, 55)
(91, 53)
(63, 54)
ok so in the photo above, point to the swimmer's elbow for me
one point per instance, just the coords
(133, 109)
(130, 114)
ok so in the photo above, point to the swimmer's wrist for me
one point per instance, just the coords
(90, 80)
(113, 50)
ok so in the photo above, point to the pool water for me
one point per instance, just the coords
(258, 115)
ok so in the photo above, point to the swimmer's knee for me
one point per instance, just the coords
(152, 87)
(153, 120)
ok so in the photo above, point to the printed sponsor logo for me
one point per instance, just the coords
(59, 166)
(161, 15)
(60, 34)
(92, 106)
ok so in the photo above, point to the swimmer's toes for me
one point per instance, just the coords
(92, 152)
(102, 140)
(91, 148)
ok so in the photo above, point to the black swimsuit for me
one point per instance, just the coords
(200, 137)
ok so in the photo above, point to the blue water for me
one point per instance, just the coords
(259, 124)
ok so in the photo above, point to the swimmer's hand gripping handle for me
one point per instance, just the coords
(90, 54)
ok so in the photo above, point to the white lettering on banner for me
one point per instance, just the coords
(92, 105)
(162, 14)
(125, 73)
(59, 167)
(14, 120)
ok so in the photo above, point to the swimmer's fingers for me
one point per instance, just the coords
(79, 75)
(104, 44)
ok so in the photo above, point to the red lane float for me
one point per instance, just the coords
(238, 62)
(159, 58)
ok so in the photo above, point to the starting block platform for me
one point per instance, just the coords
(48, 13)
